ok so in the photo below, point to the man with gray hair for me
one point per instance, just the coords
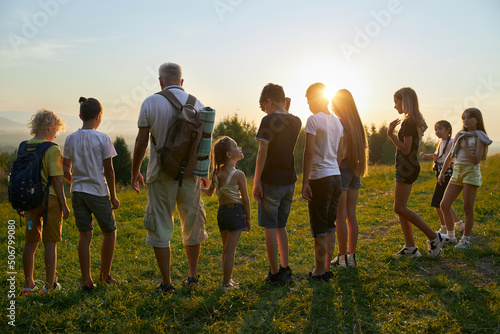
(155, 117)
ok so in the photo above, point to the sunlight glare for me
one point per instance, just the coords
(334, 74)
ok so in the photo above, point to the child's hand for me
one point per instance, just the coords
(392, 126)
(115, 203)
(257, 192)
(422, 154)
(307, 192)
(65, 211)
(248, 226)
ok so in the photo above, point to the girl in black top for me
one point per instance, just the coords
(407, 170)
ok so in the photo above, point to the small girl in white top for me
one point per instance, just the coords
(469, 148)
(233, 215)
(443, 132)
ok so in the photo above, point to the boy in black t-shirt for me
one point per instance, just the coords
(274, 180)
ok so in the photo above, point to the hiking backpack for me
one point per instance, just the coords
(178, 155)
(26, 191)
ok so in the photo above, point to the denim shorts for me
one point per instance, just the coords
(276, 204)
(323, 206)
(349, 180)
(231, 217)
(85, 205)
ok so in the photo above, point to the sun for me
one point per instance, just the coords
(334, 74)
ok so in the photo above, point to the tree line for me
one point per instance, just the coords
(381, 149)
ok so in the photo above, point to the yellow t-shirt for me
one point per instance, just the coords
(51, 164)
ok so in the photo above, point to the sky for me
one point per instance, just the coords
(54, 51)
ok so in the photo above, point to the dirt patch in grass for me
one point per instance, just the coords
(377, 231)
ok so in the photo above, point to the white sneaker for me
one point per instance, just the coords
(463, 244)
(459, 226)
(410, 253)
(351, 260)
(442, 230)
(435, 246)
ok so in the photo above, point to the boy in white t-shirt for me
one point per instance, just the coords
(89, 169)
(321, 178)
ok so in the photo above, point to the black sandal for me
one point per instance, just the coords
(163, 289)
(192, 282)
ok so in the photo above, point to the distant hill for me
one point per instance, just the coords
(13, 129)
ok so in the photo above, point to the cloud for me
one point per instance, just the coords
(37, 50)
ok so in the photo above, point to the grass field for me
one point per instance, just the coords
(457, 293)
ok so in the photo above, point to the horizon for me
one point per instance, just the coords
(50, 55)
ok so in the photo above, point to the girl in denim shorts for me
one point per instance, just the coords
(354, 165)
(233, 215)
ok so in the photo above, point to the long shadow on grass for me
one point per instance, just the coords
(354, 313)
(467, 302)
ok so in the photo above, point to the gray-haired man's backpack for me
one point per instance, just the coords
(178, 155)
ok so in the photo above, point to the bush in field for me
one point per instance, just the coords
(122, 163)
(243, 133)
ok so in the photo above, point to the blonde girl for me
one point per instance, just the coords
(233, 215)
(443, 132)
(354, 165)
(469, 148)
(407, 170)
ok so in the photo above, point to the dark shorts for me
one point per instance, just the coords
(439, 192)
(323, 206)
(407, 172)
(85, 205)
(276, 203)
(231, 217)
(349, 180)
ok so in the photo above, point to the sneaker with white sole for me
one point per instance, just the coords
(45, 289)
(351, 260)
(463, 243)
(339, 261)
(409, 253)
(459, 226)
(442, 230)
(27, 291)
(435, 246)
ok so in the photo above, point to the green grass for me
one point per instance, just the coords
(458, 293)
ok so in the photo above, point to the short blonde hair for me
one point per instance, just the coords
(41, 121)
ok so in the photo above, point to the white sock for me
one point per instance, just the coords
(466, 237)
(410, 248)
(451, 234)
(459, 222)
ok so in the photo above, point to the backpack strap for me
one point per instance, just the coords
(40, 150)
(167, 93)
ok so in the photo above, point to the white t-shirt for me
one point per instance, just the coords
(87, 149)
(328, 130)
(442, 155)
(157, 113)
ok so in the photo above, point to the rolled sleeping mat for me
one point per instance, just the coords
(207, 116)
